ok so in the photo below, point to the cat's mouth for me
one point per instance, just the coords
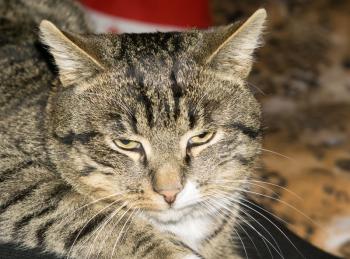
(170, 208)
(172, 214)
(176, 212)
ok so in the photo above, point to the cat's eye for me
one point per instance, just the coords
(128, 145)
(201, 139)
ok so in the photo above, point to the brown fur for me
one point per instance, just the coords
(66, 186)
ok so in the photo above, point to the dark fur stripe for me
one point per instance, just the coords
(23, 165)
(177, 93)
(117, 122)
(149, 249)
(20, 196)
(55, 196)
(26, 219)
(83, 138)
(179, 243)
(249, 131)
(133, 123)
(142, 97)
(191, 115)
(140, 242)
(91, 226)
(242, 160)
(217, 230)
(41, 232)
(102, 162)
(87, 170)
(148, 106)
(135, 74)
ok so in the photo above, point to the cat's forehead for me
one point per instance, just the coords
(156, 100)
(158, 74)
(154, 58)
(155, 44)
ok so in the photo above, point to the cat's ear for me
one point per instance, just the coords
(230, 48)
(72, 56)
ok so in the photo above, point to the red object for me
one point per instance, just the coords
(180, 13)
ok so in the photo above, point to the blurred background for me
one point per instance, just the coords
(302, 78)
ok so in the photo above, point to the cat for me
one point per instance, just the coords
(124, 146)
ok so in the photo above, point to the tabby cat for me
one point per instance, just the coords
(139, 147)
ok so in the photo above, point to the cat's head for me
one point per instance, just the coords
(162, 122)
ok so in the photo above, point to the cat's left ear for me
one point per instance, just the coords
(74, 57)
(230, 48)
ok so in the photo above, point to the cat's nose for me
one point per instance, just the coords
(167, 181)
(170, 195)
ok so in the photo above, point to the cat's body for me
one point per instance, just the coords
(58, 155)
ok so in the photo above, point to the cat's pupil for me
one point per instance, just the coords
(125, 141)
(202, 135)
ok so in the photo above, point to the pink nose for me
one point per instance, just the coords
(169, 195)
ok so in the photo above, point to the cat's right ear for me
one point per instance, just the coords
(228, 50)
(73, 58)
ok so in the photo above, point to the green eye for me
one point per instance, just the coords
(126, 144)
(201, 139)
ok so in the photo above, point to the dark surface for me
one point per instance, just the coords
(9, 251)
(289, 246)
(259, 250)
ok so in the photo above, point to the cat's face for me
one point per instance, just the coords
(159, 122)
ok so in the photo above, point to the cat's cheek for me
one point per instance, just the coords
(100, 185)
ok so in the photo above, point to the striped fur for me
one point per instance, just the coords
(66, 188)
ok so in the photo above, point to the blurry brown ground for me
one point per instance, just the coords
(302, 78)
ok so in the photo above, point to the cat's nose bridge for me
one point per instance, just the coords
(167, 181)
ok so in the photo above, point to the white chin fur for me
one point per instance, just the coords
(190, 223)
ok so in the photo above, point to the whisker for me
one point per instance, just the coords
(243, 204)
(256, 88)
(276, 216)
(245, 250)
(101, 227)
(116, 224)
(242, 228)
(70, 249)
(279, 251)
(105, 239)
(194, 200)
(93, 202)
(252, 181)
(279, 186)
(286, 204)
(278, 154)
(246, 213)
(209, 208)
(138, 213)
(254, 229)
(229, 209)
(121, 231)
(281, 201)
